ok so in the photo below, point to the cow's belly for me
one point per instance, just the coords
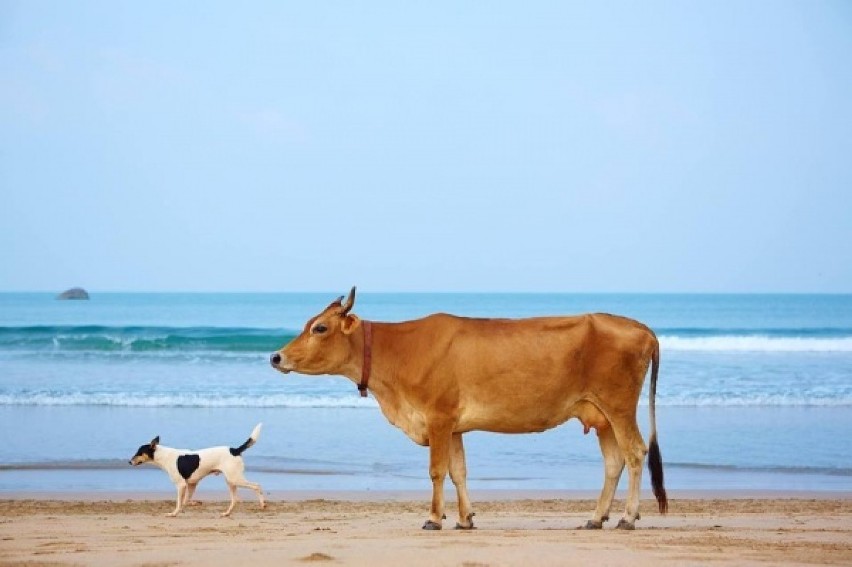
(516, 418)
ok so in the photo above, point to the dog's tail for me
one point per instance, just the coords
(255, 433)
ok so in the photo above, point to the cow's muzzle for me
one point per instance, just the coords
(275, 361)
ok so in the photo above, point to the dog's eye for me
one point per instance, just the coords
(320, 329)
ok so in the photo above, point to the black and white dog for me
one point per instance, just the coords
(186, 468)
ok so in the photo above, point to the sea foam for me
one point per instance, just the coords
(196, 400)
(756, 343)
(199, 400)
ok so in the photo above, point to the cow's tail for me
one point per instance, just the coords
(655, 459)
(255, 433)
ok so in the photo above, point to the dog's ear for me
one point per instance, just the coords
(155, 441)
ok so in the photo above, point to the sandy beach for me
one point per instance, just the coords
(366, 528)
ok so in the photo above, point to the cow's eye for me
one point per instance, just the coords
(320, 329)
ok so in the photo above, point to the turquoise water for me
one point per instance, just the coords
(755, 391)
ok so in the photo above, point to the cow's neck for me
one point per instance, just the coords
(364, 367)
(380, 371)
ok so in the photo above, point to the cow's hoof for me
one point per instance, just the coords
(430, 525)
(469, 525)
(625, 525)
(592, 525)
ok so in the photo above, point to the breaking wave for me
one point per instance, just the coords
(237, 341)
(141, 340)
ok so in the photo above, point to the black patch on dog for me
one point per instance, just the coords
(145, 449)
(188, 464)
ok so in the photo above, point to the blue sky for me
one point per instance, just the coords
(441, 146)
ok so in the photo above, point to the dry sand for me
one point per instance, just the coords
(376, 530)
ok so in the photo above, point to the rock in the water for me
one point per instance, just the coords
(74, 293)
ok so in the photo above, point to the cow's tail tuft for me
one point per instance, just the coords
(655, 459)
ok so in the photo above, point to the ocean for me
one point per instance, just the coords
(755, 392)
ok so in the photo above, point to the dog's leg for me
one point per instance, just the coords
(233, 489)
(254, 486)
(188, 501)
(181, 492)
(237, 478)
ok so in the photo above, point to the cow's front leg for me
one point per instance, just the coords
(440, 439)
(458, 473)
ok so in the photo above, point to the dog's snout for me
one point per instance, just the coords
(275, 359)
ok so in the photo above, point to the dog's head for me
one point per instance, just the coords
(145, 453)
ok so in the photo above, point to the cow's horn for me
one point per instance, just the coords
(350, 302)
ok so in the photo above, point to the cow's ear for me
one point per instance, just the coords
(349, 324)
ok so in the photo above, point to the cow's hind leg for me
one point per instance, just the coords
(633, 448)
(613, 467)
(458, 473)
(440, 439)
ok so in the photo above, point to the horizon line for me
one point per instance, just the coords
(430, 292)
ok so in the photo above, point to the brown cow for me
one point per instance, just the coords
(439, 377)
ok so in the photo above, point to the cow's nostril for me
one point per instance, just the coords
(275, 359)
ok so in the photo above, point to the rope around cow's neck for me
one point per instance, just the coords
(368, 354)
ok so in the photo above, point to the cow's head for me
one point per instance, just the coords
(325, 344)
